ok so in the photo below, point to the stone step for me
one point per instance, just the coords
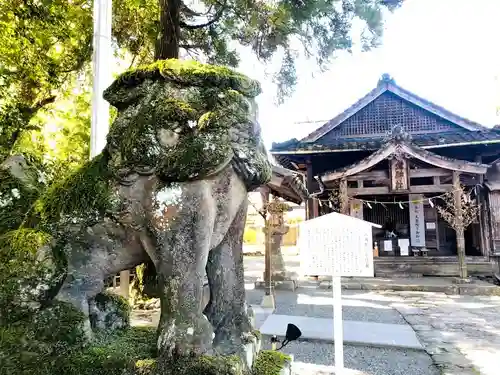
(355, 332)
(398, 274)
(301, 368)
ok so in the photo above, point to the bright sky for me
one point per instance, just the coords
(446, 51)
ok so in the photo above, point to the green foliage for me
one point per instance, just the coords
(41, 45)
(64, 136)
(269, 362)
(271, 29)
(250, 236)
(145, 284)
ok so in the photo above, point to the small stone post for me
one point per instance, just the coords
(275, 230)
(344, 199)
(124, 283)
(275, 273)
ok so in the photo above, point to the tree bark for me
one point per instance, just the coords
(167, 44)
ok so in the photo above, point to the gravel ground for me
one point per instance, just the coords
(366, 360)
(316, 303)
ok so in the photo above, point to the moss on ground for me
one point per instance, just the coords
(58, 348)
(36, 344)
(199, 365)
(112, 354)
(269, 362)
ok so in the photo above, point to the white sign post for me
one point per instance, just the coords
(338, 326)
(336, 245)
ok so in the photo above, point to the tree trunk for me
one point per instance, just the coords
(462, 265)
(167, 44)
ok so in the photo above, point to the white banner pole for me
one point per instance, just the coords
(102, 75)
(338, 328)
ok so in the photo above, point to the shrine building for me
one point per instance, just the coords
(389, 159)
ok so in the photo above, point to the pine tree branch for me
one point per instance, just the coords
(216, 18)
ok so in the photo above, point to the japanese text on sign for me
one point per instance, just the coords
(336, 245)
(417, 225)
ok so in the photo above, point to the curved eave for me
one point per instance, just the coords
(288, 185)
(416, 152)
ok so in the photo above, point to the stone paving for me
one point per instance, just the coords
(460, 333)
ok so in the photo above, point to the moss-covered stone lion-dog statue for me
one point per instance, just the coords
(170, 188)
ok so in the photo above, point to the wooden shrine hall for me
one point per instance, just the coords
(389, 159)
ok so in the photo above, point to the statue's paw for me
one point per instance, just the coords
(186, 338)
(234, 334)
(246, 345)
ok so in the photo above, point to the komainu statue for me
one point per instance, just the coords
(170, 188)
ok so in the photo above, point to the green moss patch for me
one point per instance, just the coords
(269, 362)
(83, 195)
(180, 133)
(199, 365)
(58, 349)
(183, 72)
(42, 340)
(113, 312)
(112, 355)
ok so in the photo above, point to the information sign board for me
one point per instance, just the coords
(336, 244)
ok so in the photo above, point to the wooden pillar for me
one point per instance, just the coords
(309, 183)
(267, 247)
(344, 199)
(459, 225)
(483, 226)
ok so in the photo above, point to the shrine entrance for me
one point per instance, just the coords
(401, 216)
(394, 145)
(400, 187)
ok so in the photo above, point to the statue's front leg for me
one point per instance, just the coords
(183, 330)
(227, 310)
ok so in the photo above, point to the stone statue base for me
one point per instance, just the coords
(280, 281)
(266, 362)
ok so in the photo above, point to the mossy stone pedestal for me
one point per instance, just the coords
(266, 363)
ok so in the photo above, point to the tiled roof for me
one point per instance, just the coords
(454, 130)
(429, 140)
(387, 84)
